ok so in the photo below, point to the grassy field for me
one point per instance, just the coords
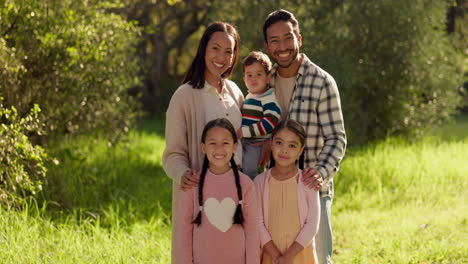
(396, 202)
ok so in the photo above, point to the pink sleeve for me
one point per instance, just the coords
(310, 228)
(184, 228)
(265, 236)
(250, 211)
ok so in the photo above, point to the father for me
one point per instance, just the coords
(309, 95)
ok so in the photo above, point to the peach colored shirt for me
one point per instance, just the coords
(283, 219)
(308, 206)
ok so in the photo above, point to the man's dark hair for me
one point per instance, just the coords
(280, 15)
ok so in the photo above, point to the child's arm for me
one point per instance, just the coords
(251, 215)
(183, 229)
(265, 236)
(271, 115)
(311, 225)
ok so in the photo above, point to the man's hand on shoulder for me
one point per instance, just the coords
(312, 178)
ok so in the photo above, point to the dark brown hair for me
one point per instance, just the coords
(298, 130)
(280, 15)
(260, 57)
(195, 75)
(238, 217)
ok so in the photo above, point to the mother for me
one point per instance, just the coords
(205, 94)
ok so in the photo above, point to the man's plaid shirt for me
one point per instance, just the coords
(315, 104)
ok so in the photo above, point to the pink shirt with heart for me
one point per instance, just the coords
(217, 239)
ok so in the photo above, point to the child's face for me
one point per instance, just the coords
(255, 78)
(286, 148)
(219, 147)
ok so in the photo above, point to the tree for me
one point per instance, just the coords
(74, 60)
(167, 27)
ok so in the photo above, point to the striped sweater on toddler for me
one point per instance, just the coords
(260, 114)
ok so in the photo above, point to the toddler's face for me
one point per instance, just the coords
(255, 78)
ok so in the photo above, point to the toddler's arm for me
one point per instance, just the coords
(271, 115)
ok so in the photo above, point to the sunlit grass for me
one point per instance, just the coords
(396, 202)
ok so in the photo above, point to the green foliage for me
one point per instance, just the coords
(22, 171)
(73, 59)
(396, 68)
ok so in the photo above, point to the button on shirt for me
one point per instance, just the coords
(220, 105)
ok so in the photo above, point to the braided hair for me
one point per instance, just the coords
(238, 217)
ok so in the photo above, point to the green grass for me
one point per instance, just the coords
(396, 202)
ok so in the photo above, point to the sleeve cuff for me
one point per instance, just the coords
(246, 132)
(324, 173)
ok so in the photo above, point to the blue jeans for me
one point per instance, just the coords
(250, 156)
(323, 239)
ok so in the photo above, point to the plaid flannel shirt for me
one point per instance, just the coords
(315, 104)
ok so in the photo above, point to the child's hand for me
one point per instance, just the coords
(239, 133)
(284, 260)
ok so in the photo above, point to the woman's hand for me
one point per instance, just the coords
(189, 180)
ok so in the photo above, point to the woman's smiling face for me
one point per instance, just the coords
(219, 55)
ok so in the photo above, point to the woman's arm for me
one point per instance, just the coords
(175, 158)
(183, 229)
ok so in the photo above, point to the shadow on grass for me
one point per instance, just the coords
(152, 125)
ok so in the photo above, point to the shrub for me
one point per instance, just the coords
(22, 170)
(76, 61)
(396, 68)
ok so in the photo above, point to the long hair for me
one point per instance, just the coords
(298, 130)
(277, 16)
(238, 217)
(195, 75)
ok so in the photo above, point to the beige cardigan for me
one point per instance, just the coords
(185, 120)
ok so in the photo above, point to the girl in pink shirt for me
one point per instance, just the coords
(217, 222)
(290, 211)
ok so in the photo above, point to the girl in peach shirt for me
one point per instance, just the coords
(290, 211)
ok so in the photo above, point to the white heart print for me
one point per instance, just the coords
(220, 214)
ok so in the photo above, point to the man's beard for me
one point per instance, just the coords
(292, 60)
